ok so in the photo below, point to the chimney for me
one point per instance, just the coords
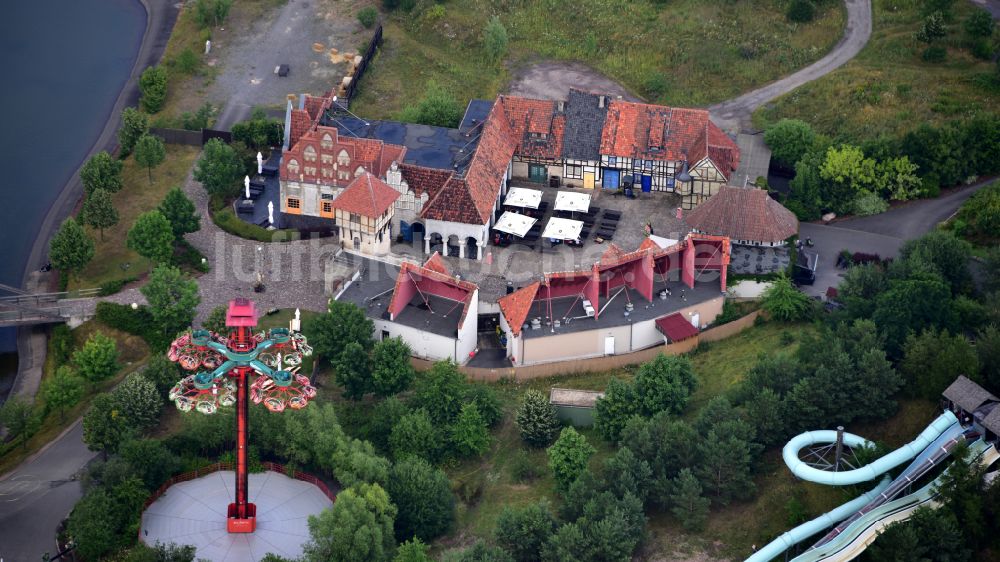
(302, 101)
(561, 105)
(600, 102)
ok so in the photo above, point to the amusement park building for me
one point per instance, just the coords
(452, 181)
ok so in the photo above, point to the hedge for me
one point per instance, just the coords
(138, 322)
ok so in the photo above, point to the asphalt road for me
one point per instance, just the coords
(733, 115)
(37, 495)
(880, 234)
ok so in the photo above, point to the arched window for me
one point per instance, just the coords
(309, 153)
(293, 166)
(343, 159)
(359, 171)
(327, 141)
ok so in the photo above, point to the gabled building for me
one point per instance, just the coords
(659, 148)
(363, 213)
(626, 302)
(747, 215)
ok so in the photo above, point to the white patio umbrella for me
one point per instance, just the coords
(514, 223)
(562, 229)
(525, 198)
(270, 212)
(572, 201)
(260, 163)
(246, 186)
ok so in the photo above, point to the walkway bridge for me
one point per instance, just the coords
(22, 308)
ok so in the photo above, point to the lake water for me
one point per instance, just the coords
(64, 63)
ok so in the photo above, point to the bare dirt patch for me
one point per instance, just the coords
(551, 80)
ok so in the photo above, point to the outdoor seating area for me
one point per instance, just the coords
(758, 260)
(261, 189)
(572, 220)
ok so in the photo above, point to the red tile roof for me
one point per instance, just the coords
(436, 263)
(326, 145)
(453, 203)
(743, 214)
(527, 117)
(655, 132)
(367, 195)
(424, 180)
(676, 327)
(516, 306)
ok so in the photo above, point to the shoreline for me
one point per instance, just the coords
(31, 341)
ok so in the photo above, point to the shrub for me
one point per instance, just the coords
(423, 496)
(138, 322)
(979, 24)
(783, 301)
(655, 85)
(187, 61)
(61, 344)
(523, 468)
(982, 49)
(437, 107)
(536, 419)
(153, 85)
(568, 457)
(801, 11)
(867, 203)
(934, 53)
(495, 40)
(789, 139)
(367, 16)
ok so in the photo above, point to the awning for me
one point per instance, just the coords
(562, 229)
(525, 198)
(572, 201)
(676, 327)
(513, 223)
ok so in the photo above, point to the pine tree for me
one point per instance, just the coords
(536, 419)
(99, 211)
(71, 249)
(688, 504)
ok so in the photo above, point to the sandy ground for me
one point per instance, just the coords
(301, 34)
(551, 80)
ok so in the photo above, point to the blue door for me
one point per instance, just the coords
(611, 178)
(406, 231)
(647, 184)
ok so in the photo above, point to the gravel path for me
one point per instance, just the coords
(293, 272)
(551, 80)
(733, 115)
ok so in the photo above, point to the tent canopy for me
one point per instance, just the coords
(521, 197)
(513, 223)
(572, 201)
(562, 229)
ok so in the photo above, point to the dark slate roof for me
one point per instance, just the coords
(433, 147)
(992, 420)
(968, 395)
(475, 114)
(584, 123)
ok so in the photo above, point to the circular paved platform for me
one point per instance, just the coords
(194, 513)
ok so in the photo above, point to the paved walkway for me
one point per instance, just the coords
(733, 115)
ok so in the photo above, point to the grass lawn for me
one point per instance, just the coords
(136, 197)
(132, 354)
(687, 52)
(888, 88)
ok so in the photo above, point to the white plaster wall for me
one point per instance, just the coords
(423, 344)
(468, 337)
(645, 334)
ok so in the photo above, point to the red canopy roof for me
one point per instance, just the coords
(676, 327)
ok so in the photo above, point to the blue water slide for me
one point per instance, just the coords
(790, 453)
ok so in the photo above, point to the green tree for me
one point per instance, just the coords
(63, 390)
(415, 435)
(97, 360)
(437, 107)
(664, 384)
(495, 40)
(789, 140)
(216, 320)
(150, 152)
(912, 304)
(153, 86)
(138, 401)
(536, 419)
(979, 24)
(343, 323)
(168, 553)
(99, 211)
(846, 172)
(134, 125)
(93, 524)
(784, 302)
(172, 298)
(209, 13)
(392, 372)
(726, 465)
(933, 360)
(949, 256)
(859, 288)
(70, 248)
(568, 457)
(805, 191)
(104, 428)
(150, 460)
(689, 507)
(440, 390)
(17, 415)
(180, 212)
(219, 169)
(422, 494)
(800, 11)
(613, 410)
(988, 350)
(898, 179)
(368, 16)
(523, 531)
(358, 528)
(259, 132)
(162, 372)
(413, 550)
(485, 398)
(932, 28)
(152, 237)
(469, 434)
(353, 371)
(929, 534)
(479, 552)
(101, 171)
(765, 414)
(627, 473)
